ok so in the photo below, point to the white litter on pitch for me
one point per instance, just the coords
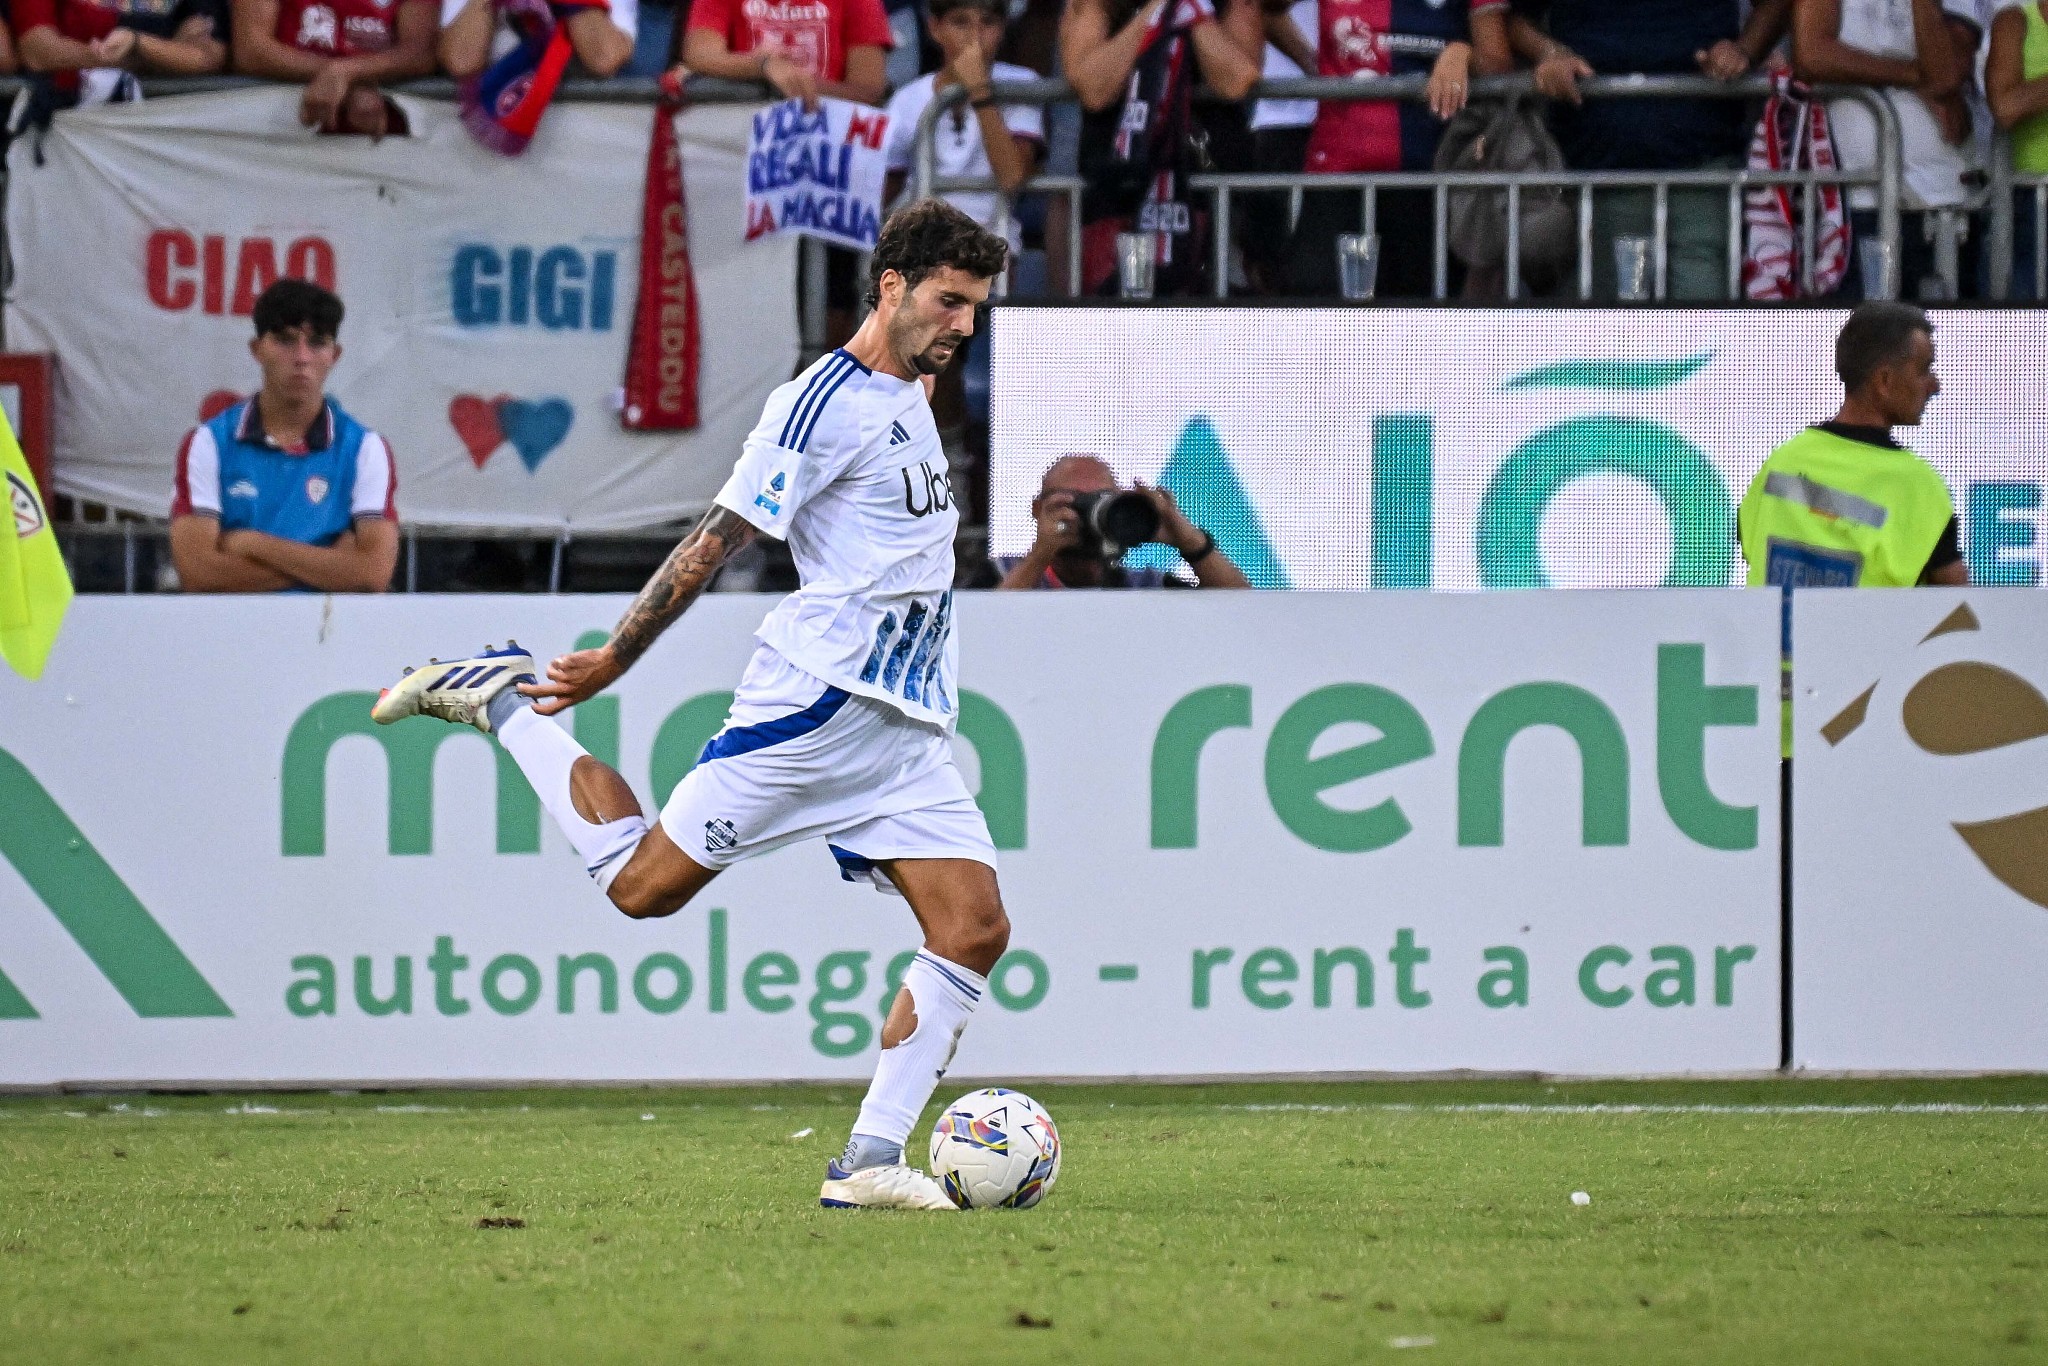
(1411, 1342)
(1581, 1198)
(803, 1133)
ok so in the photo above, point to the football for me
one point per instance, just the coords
(995, 1149)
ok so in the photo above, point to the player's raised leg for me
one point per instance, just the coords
(960, 909)
(639, 868)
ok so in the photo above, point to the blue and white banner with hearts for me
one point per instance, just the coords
(490, 301)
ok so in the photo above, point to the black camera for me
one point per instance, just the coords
(1111, 521)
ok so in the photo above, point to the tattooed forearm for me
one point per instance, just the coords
(682, 576)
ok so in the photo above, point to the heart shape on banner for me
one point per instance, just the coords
(533, 427)
(475, 420)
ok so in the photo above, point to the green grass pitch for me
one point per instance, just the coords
(1281, 1222)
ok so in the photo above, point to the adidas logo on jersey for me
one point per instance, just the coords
(897, 436)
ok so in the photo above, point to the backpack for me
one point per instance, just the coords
(1507, 135)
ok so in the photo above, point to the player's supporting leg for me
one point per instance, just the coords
(639, 868)
(960, 909)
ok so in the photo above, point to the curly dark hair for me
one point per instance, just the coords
(927, 236)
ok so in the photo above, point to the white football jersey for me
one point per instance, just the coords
(846, 467)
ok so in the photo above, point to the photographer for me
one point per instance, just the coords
(1085, 523)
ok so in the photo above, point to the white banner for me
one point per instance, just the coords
(817, 172)
(490, 299)
(1920, 831)
(1239, 834)
(1491, 448)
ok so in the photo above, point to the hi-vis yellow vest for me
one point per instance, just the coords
(1829, 512)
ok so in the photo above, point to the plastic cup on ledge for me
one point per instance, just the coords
(1358, 264)
(1632, 269)
(1137, 257)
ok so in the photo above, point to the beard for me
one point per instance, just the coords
(938, 355)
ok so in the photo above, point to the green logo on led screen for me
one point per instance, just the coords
(1695, 498)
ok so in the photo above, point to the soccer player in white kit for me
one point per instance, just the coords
(841, 725)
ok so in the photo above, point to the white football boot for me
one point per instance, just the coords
(459, 691)
(896, 1187)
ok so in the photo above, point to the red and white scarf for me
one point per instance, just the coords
(1793, 135)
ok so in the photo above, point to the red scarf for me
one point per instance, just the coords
(662, 360)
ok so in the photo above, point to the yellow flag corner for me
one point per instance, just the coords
(34, 586)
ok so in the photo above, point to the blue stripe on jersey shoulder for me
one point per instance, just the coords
(834, 366)
(810, 424)
(747, 739)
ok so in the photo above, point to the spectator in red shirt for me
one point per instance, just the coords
(183, 38)
(341, 49)
(804, 48)
(1452, 42)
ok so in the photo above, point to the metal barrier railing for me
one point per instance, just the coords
(144, 551)
(1885, 179)
(2002, 196)
(140, 537)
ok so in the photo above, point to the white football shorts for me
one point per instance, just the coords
(799, 759)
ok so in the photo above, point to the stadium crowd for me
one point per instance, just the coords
(1952, 71)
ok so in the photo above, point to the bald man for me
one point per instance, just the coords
(1058, 560)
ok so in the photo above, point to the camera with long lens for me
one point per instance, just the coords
(1111, 521)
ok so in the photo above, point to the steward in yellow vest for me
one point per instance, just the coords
(1842, 505)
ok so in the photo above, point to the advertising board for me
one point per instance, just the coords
(1239, 834)
(1920, 830)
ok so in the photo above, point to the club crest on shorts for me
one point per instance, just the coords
(719, 835)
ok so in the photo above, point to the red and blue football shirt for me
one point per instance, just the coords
(1366, 39)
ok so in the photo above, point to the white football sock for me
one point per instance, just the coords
(545, 753)
(943, 995)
